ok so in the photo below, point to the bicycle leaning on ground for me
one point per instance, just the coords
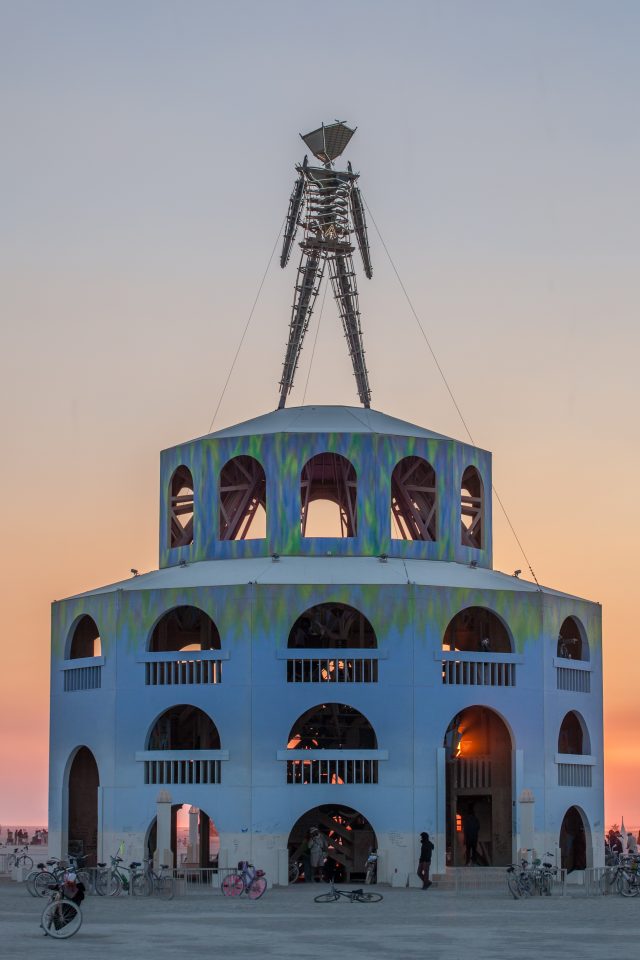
(246, 879)
(61, 918)
(353, 896)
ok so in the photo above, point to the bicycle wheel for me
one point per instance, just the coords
(294, 871)
(514, 886)
(42, 882)
(256, 888)
(232, 885)
(141, 885)
(108, 884)
(25, 861)
(627, 885)
(327, 898)
(61, 919)
(163, 888)
(84, 877)
(368, 897)
(29, 882)
(11, 861)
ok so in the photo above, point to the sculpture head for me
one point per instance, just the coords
(328, 142)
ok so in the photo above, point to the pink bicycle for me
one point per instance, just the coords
(246, 879)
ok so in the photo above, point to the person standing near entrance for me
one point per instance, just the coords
(318, 851)
(470, 829)
(424, 863)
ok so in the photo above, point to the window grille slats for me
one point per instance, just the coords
(481, 673)
(183, 672)
(82, 678)
(333, 669)
(182, 771)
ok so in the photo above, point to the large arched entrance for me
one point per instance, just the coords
(350, 838)
(82, 824)
(573, 841)
(479, 789)
(195, 840)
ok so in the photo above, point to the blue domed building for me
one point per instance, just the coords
(326, 643)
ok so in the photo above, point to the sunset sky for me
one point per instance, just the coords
(148, 156)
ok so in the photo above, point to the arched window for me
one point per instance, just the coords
(573, 737)
(82, 823)
(181, 508)
(85, 641)
(478, 630)
(332, 726)
(571, 643)
(184, 628)
(472, 509)
(243, 500)
(332, 625)
(328, 495)
(413, 500)
(184, 727)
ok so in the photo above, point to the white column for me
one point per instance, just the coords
(193, 853)
(163, 852)
(526, 809)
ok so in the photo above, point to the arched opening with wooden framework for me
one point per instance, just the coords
(85, 640)
(181, 508)
(478, 750)
(413, 500)
(572, 641)
(243, 500)
(350, 838)
(479, 630)
(573, 737)
(328, 497)
(182, 629)
(332, 625)
(82, 795)
(332, 727)
(184, 727)
(472, 509)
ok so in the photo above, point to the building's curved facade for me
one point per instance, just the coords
(380, 682)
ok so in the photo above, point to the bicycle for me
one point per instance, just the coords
(111, 880)
(160, 884)
(294, 871)
(38, 884)
(353, 896)
(61, 918)
(526, 878)
(246, 879)
(20, 858)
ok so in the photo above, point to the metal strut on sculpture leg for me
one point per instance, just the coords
(310, 272)
(345, 291)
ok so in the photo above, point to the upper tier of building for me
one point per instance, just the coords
(325, 480)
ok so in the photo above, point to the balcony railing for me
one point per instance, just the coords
(353, 665)
(188, 667)
(478, 669)
(182, 766)
(471, 773)
(575, 770)
(572, 675)
(332, 767)
(82, 674)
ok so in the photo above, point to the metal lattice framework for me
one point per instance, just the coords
(471, 508)
(181, 508)
(330, 476)
(328, 205)
(413, 499)
(243, 488)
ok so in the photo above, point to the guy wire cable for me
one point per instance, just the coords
(246, 326)
(449, 390)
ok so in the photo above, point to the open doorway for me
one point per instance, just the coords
(82, 825)
(195, 840)
(349, 835)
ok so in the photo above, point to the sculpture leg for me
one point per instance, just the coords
(310, 273)
(345, 291)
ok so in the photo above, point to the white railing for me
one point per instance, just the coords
(572, 675)
(574, 775)
(352, 665)
(174, 669)
(82, 678)
(478, 669)
(332, 772)
(182, 766)
(471, 773)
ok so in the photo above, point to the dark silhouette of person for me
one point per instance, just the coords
(424, 864)
(470, 829)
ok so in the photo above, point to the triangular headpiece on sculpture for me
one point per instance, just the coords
(328, 142)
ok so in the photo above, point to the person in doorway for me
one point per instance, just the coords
(318, 851)
(470, 829)
(424, 863)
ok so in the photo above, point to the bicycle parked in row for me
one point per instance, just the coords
(38, 882)
(246, 879)
(624, 874)
(526, 879)
(20, 858)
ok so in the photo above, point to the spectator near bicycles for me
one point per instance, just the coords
(318, 847)
(71, 889)
(424, 864)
